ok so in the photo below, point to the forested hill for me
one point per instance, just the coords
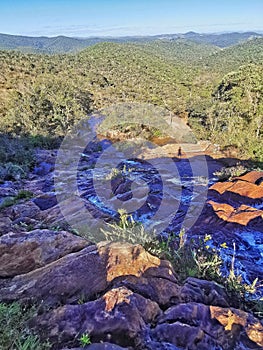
(63, 44)
(219, 91)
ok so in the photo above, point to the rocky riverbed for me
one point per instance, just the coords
(119, 293)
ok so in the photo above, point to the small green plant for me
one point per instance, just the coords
(24, 194)
(228, 173)
(23, 226)
(85, 340)
(9, 201)
(238, 290)
(126, 220)
(208, 265)
(157, 132)
(113, 174)
(11, 171)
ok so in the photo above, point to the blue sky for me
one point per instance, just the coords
(83, 18)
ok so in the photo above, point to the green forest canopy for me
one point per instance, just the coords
(218, 91)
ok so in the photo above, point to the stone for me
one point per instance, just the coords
(255, 177)
(43, 168)
(230, 317)
(17, 214)
(202, 291)
(46, 201)
(5, 224)
(238, 188)
(120, 316)
(84, 274)
(197, 326)
(8, 192)
(241, 215)
(20, 211)
(119, 294)
(100, 346)
(35, 249)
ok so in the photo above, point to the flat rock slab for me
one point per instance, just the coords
(241, 215)
(255, 177)
(241, 188)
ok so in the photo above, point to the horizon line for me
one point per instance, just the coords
(256, 31)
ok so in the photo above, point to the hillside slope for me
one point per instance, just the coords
(64, 44)
(47, 93)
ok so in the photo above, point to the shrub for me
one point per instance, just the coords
(14, 333)
(228, 173)
(16, 150)
(11, 171)
(24, 194)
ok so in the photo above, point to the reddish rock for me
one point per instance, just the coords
(115, 292)
(242, 215)
(230, 318)
(24, 252)
(197, 326)
(221, 187)
(120, 316)
(124, 259)
(202, 291)
(255, 177)
(85, 274)
(241, 188)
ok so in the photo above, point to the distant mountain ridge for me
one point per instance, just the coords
(64, 44)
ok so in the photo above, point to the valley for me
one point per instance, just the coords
(131, 192)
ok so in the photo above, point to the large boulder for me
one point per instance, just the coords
(196, 326)
(88, 272)
(119, 315)
(117, 293)
(24, 252)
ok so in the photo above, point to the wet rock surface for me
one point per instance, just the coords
(233, 215)
(119, 294)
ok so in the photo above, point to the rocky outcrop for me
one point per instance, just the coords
(233, 217)
(13, 218)
(198, 326)
(120, 316)
(255, 177)
(23, 252)
(242, 215)
(89, 272)
(247, 189)
(119, 294)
